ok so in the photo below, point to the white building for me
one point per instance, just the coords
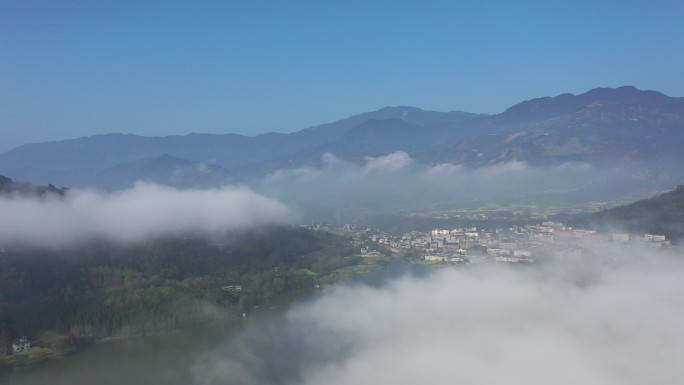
(21, 345)
(621, 237)
(507, 259)
(497, 252)
(654, 238)
(439, 232)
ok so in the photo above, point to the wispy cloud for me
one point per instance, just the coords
(393, 162)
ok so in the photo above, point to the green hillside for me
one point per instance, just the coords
(662, 214)
(10, 187)
(101, 289)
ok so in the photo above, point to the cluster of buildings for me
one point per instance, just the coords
(511, 245)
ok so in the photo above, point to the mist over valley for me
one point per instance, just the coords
(281, 193)
(599, 146)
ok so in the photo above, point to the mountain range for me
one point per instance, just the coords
(601, 125)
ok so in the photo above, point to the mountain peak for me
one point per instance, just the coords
(547, 107)
(628, 95)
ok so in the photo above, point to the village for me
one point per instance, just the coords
(517, 244)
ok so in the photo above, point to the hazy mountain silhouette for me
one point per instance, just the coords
(604, 124)
(78, 161)
(164, 169)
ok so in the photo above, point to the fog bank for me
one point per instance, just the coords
(599, 324)
(397, 181)
(145, 210)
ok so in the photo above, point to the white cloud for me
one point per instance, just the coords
(445, 170)
(134, 214)
(397, 181)
(298, 174)
(506, 326)
(480, 325)
(329, 159)
(393, 162)
(506, 169)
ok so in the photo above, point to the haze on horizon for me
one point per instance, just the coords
(160, 68)
(339, 191)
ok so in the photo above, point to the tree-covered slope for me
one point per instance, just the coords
(662, 214)
(10, 187)
(102, 289)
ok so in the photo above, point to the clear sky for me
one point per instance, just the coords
(76, 68)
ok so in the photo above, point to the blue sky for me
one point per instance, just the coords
(75, 68)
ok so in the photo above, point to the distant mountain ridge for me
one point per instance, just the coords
(626, 97)
(164, 169)
(78, 161)
(603, 124)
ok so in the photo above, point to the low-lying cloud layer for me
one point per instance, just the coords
(615, 319)
(398, 181)
(594, 325)
(143, 211)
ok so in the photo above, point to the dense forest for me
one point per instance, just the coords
(102, 289)
(662, 214)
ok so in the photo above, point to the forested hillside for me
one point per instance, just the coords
(662, 214)
(102, 289)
